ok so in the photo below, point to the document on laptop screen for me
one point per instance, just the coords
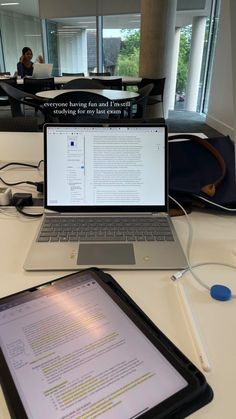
(105, 166)
(73, 353)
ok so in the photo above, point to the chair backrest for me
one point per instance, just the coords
(106, 73)
(115, 84)
(38, 85)
(73, 74)
(145, 90)
(83, 84)
(78, 106)
(141, 101)
(13, 92)
(159, 85)
(17, 97)
(11, 81)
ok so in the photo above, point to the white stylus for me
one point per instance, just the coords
(188, 315)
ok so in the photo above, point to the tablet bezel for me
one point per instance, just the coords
(197, 392)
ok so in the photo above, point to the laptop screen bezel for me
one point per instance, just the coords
(110, 208)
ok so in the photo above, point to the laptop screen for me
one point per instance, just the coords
(42, 70)
(105, 166)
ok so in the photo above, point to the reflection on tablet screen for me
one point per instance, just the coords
(74, 353)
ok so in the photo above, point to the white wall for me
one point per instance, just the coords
(221, 112)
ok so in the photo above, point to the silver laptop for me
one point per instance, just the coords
(42, 71)
(105, 200)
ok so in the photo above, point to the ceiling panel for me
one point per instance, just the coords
(31, 7)
(26, 7)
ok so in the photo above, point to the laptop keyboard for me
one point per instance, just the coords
(84, 229)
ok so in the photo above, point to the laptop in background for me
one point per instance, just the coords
(114, 175)
(42, 71)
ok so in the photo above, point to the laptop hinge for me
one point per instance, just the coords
(159, 214)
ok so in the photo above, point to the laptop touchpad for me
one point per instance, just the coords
(106, 254)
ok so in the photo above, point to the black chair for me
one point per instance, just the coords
(115, 84)
(106, 73)
(79, 107)
(33, 86)
(19, 123)
(83, 84)
(4, 100)
(18, 97)
(73, 74)
(157, 93)
(139, 107)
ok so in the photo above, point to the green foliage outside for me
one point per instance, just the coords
(128, 58)
(128, 65)
(184, 51)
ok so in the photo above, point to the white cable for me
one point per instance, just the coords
(213, 203)
(179, 274)
(189, 243)
(190, 229)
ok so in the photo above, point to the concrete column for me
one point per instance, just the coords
(156, 44)
(174, 68)
(195, 62)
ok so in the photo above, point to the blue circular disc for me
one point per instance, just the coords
(220, 292)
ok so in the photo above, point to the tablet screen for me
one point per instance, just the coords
(74, 353)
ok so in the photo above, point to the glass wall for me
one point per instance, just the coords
(208, 56)
(18, 31)
(52, 46)
(2, 61)
(121, 44)
(71, 44)
(183, 63)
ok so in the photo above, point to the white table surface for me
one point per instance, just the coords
(108, 93)
(214, 240)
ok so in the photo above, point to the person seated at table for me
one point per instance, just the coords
(25, 65)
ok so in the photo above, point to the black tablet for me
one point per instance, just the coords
(79, 347)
